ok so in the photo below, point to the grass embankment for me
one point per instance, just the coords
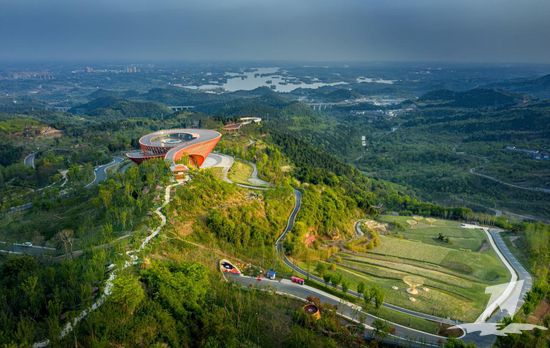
(239, 221)
(217, 172)
(384, 313)
(240, 172)
(451, 277)
(517, 244)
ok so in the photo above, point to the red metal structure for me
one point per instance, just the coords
(173, 144)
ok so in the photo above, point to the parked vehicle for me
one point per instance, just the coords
(271, 274)
(297, 280)
(226, 266)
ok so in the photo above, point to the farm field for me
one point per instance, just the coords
(447, 279)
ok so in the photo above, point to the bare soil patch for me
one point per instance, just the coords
(542, 310)
(310, 238)
(484, 246)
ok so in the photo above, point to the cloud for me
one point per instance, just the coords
(306, 30)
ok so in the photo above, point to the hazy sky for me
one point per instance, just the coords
(299, 30)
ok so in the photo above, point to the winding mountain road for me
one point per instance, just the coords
(286, 260)
(413, 338)
(524, 281)
(100, 175)
(535, 189)
(100, 172)
(29, 160)
(403, 336)
(509, 300)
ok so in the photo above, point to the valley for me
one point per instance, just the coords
(391, 197)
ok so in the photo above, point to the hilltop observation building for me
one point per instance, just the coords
(173, 144)
(243, 121)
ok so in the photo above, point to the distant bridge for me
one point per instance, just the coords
(321, 106)
(180, 107)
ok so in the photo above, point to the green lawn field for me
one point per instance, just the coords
(240, 172)
(451, 277)
(426, 230)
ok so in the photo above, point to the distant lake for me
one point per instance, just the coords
(374, 80)
(263, 77)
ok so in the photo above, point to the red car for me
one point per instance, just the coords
(297, 280)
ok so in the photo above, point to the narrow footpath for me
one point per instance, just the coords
(132, 260)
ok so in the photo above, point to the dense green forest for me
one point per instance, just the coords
(36, 290)
(420, 168)
(437, 150)
(43, 293)
(120, 108)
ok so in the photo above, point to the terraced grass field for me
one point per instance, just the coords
(451, 277)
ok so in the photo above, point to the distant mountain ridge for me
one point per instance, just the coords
(538, 87)
(102, 93)
(119, 107)
(474, 98)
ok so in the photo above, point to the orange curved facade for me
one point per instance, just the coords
(173, 144)
(197, 152)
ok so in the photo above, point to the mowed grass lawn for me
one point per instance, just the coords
(426, 232)
(453, 275)
(240, 172)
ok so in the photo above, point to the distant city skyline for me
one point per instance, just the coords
(491, 31)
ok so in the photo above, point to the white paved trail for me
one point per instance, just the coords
(226, 162)
(133, 259)
(358, 231)
(213, 160)
(508, 297)
(491, 307)
(254, 179)
(219, 160)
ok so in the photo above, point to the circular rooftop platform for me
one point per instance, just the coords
(174, 143)
(173, 137)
